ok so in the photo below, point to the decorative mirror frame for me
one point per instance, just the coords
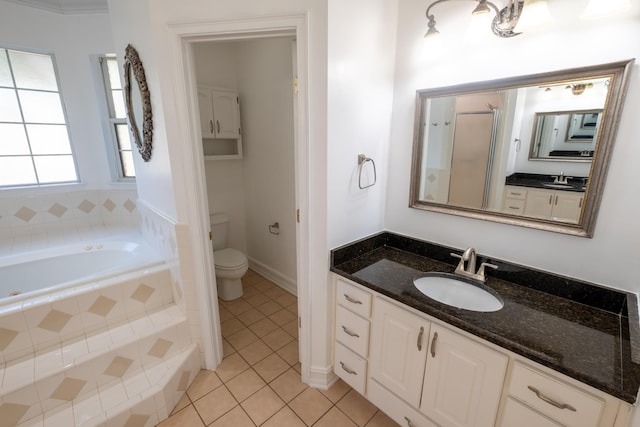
(619, 73)
(132, 64)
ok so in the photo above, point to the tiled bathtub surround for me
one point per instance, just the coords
(59, 217)
(173, 241)
(110, 352)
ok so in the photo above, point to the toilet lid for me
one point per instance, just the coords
(229, 258)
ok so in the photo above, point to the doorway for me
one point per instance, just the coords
(185, 39)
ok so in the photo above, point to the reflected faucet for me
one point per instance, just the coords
(467, 265)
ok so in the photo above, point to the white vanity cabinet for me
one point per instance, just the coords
(220, 122)
(353, 308)
(424, 373)
(399, 350)
(463, 380)
(541, 203)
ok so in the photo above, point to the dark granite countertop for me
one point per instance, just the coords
(574, 327)
(532, 180)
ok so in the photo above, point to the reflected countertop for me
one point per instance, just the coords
(533, 180)
(579, 329)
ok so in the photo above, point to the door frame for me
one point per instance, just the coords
(181, 39)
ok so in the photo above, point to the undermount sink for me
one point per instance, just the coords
(558, 185)
(455, 292)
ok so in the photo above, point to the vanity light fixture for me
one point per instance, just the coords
(505, 20)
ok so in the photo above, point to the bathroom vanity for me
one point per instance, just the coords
(560, 352)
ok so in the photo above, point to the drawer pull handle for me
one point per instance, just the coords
(419, 343)
(516, 194)
(348, 332)
(351, 300)
(551, 401)
(210, 126)
(433, 344)
(515, 208)
(409, 423)
(347, 370)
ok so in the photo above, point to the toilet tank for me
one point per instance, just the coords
(219, 229)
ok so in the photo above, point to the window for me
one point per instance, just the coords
(118, 127)
(34, 138)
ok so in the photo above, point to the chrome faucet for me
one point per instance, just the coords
(560, 179)
(467, 265)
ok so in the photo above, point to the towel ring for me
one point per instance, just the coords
(362, 159)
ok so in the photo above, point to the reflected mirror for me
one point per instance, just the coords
(565, 135)
(530, 151)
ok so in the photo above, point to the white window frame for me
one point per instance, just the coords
(38, 184)
(110, 122)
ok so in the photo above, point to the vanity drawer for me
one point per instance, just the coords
(515, 193)
(353, 298)
(518, 415)
(352, 331)
(396, 408)
(560, 401)
(350, 367)
(515, 206)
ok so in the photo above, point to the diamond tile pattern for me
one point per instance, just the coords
(258, 384)
(142, 293)
(55, 321)
(68, 389)
(160, 348)
(102, 306)
(118, 367)
(10, 413)
(129, 205)
(86, 206)
(26, 214)
(57, 210)
(109, 205)
(6, 336)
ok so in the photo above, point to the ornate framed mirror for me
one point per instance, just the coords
(138, 102)
(530, 151)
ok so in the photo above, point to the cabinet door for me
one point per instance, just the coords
(463, 380)
(539, 203)
(226, 114)
(206, 113)
(399, 350)
(567, 206)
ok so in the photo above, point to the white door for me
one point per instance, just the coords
(463, 380)
(399, 350)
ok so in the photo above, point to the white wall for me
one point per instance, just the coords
(265, 82)
(72, 39)
(608, 257)
(131, 24)
(362, 49)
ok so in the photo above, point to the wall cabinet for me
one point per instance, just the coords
(423, 373)
(220, 122)
(540, 203)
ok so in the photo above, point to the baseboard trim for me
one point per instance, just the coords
(322, 377)
(275, 276)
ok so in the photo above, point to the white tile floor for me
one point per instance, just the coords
(258, 382)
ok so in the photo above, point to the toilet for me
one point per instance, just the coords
(230, 264)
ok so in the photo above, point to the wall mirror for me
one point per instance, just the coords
(531, 151)
(138, 102)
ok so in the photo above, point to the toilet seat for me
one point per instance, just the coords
(229, 259)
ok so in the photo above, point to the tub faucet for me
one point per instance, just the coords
(467, 265)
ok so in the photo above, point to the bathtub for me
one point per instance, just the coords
(35, 273)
